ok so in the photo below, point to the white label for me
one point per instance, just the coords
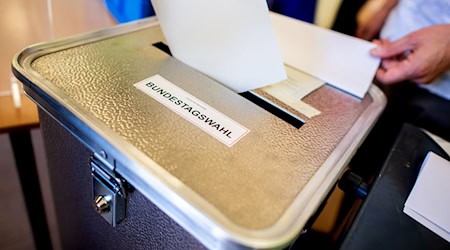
(192, 109)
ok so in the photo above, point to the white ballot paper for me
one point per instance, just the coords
(292, 90)
(340, 60)
(231, 41)
(429, 201)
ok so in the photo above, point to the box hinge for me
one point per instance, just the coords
(109, 192)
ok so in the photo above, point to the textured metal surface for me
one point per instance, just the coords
(259, 192)
(250, 185)
(80, 227)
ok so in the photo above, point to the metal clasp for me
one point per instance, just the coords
(110, 196)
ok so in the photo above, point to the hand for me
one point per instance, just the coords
(421, 56)
(372, 16)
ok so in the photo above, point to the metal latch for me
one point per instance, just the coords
(110, 196)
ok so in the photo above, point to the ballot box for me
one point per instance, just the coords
(145, 152)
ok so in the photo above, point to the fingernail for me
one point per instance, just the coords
(375, 50)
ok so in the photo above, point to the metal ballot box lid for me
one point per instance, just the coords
(258, 193)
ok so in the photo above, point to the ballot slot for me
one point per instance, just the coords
(273, 108)
(163, 47)
(255, 98)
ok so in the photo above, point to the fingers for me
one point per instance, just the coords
(387, 49)
(421, 56)
(389, 63)
(389, 76)
(396, 72)
(394, 66)
(377, 42)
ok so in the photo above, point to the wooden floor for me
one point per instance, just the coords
(22, 23)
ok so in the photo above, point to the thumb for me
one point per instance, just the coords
(390, 49)
(396, 73)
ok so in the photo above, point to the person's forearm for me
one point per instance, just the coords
(371, 17)
(380, 5)
(388, 6)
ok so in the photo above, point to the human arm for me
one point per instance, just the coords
(372, 16)
(421, 56)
